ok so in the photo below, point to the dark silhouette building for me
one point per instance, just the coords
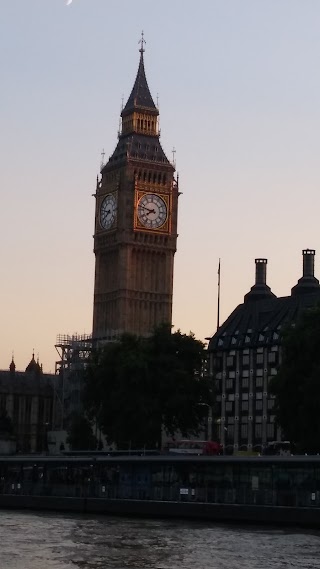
(135, 224)
(245, 352)
(27, 398)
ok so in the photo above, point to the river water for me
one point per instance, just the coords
(49, 541)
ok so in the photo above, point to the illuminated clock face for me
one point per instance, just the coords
(108, 211)
(152, 211)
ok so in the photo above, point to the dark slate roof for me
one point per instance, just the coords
(33, 366)
(138, 147)
(306, 284)
(259, 323)
(140, 95)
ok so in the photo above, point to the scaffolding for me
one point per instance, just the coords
(73, 351)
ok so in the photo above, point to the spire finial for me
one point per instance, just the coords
(142, 42)
(174, 156)
(102, 158)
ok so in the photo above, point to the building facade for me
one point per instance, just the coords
(27, 398)
(245, 353)
(135, 224)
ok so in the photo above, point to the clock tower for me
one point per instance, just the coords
(135, 224)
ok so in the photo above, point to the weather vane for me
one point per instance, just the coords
(142, 43)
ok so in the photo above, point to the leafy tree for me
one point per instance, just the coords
(80, 435)
(297, 384)
(136, 385)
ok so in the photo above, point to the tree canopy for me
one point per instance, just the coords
(137, 385)
(80, 435)
(297, 384)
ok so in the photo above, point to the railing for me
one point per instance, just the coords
(168, 493)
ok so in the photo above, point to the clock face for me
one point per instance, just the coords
(108, 211)
(152, 211)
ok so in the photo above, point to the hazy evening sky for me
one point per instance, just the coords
(239, 95)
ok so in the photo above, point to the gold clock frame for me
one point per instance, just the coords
(138, 226)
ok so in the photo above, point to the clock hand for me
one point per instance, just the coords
(148, 210)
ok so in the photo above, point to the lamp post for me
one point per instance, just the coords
(209, 420)
(222, 431)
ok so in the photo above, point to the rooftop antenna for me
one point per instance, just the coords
(218, 308)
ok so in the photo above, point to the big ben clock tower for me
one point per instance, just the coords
(135, 224)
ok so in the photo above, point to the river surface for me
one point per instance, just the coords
(49, 541)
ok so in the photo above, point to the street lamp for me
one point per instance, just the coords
(209, 419)
(222, 432)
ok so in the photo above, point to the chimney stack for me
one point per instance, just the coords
(261, 271)
(260, 290)
(308, 282)
(308, 262)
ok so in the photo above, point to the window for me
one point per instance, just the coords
(245, 382)
(229, 361)
(245, 360)
(230, 431)
(271, 357)
(259, 395)
(245, 406)
(258, 419)
(258, 405)
(231, 397)
(232, 374)
(231, 421)
(270, 404)
(258, 431)
(244, 431)
(259, 381)
(259, 372)
(229, 406)
(244, 396)
(245, 373)
(270, 431)
(273, 371)
(259, 358)
(229, 383)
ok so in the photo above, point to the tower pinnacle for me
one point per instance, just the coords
(142, 42)
(140, 97)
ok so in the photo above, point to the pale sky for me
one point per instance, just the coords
(239, 92)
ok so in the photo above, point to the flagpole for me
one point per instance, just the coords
(218, 311)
